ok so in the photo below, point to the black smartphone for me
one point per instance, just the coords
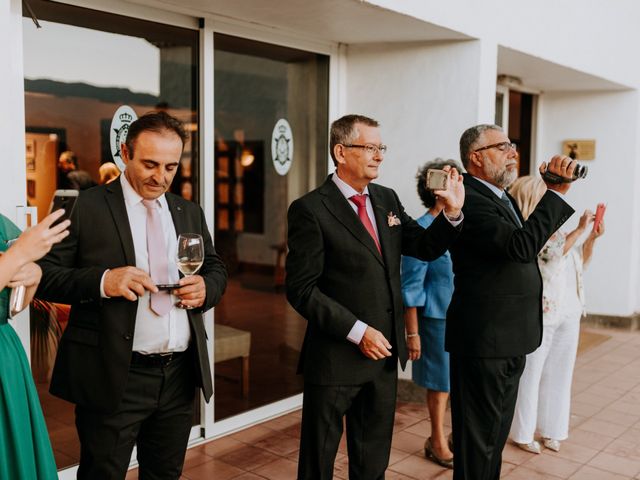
(63, 199)
(168, 286)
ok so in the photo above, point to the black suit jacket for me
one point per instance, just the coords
(335, 276)
(94, 354)
(496, 309)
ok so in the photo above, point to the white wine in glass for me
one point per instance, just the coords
(190, 254)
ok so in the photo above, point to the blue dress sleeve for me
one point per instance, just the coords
(412, 275)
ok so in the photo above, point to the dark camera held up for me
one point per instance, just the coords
(579, 172)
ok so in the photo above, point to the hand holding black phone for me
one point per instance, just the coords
(65, 199)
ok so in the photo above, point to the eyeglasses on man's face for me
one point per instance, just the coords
(370, 148)
(502, 146)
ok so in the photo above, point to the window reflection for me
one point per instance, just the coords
(79, 68)
(257, 334)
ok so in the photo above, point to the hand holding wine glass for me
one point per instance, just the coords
(189, 259)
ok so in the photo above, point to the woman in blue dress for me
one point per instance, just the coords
(426, 289)
(25, 451)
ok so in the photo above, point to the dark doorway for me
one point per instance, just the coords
(520, 127)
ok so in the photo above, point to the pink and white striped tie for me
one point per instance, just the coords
(158, 258)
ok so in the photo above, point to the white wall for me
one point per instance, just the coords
(13, 178)
(612, 120)
(592, 36)
(424, 95)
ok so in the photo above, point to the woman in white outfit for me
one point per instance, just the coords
(544, 394)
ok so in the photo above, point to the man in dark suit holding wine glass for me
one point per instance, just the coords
(130, 358)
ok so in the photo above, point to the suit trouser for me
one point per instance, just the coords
(156, 412)
(369, 409)
(483, 398)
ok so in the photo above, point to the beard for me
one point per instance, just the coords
(501, 177)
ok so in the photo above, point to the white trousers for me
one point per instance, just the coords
(544, 394)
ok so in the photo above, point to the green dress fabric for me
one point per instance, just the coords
(25, 450)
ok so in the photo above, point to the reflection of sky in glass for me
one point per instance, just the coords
(73, 54)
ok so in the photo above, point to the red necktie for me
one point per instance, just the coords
(361, 203)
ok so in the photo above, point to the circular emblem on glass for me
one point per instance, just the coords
(118, 133)
(282, 146)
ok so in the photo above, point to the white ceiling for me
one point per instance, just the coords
(357, 21)
(341, 21)
(540, 74)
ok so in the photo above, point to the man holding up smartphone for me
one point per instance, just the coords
(495, 315)
(130, 359)
(345, 243)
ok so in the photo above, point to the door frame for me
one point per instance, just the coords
(208, 26)
(535, 127)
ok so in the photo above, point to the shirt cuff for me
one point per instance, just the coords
(454, 222)
(102, 294)
(357, 332)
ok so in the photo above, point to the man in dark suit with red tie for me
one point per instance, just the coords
(345, 242)
(495, 315)
(130, 358)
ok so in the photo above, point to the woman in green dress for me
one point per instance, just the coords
(25, 451)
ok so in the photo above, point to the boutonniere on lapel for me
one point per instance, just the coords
(393, 220)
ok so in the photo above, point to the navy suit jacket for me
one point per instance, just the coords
(496, 309)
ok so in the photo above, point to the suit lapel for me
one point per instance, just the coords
(484, 190)
(115, 201)
(340, 208)
(381, 211)
(177, 214)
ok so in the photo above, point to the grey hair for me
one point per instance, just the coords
(344, 130)
(470, 137)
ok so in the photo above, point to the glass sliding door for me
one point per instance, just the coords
(80, 67)
(271, 137)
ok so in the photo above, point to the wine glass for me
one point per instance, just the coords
(190, 255)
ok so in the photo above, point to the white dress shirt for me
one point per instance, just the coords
(154, 334)
(357, 331)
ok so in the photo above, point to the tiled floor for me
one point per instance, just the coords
(277, 332)
(604, 442)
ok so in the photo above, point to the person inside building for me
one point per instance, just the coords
(426, 291)
(70, 177)
(108, 172)
(544, 394)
